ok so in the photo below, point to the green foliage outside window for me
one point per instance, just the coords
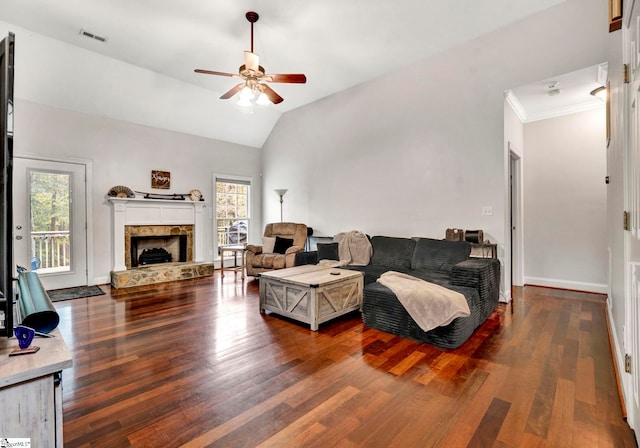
(50, 205)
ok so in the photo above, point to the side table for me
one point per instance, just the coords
(236, 250)
(484, 250)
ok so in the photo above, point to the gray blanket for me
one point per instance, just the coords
(430, 305)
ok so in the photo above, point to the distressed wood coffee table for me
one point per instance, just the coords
(311, 294)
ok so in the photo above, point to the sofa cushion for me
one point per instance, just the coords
(328, 251)
(439, 278)
(392, 252)
(282, 244)
(439, 255)
(371, 273)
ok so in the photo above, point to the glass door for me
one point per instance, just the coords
(50, 221)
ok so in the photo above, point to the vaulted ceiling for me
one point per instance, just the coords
(337, 44)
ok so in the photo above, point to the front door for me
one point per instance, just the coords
(49, 218)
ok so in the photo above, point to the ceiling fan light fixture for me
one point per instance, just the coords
(247, 93)
(244, 102)
(263, 99)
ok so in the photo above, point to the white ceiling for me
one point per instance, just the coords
(337, 44)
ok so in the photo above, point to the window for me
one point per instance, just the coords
(232, 210)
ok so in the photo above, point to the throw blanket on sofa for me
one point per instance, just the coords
(430, 305)
(353, 248)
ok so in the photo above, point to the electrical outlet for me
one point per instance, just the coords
(487, 210)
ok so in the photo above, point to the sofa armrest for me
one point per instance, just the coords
(255, 249)
(482, 274)
(290, 256)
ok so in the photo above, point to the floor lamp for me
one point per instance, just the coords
(281, 192)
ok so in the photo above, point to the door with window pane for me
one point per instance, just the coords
(232, 211)
(50, 221)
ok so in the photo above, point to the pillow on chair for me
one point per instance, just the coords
(282, 244)
(268, 243)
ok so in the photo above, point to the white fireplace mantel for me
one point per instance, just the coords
(150, 212)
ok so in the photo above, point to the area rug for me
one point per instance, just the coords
(57, 295)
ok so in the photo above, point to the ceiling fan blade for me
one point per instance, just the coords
(232, 92)
(298, 78)
(251, 61)
(271, 94)
(211, 72)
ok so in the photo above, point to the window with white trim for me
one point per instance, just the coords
(232, 210)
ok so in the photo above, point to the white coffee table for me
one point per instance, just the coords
(311, 294)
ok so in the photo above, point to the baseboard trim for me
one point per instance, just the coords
(567, 284)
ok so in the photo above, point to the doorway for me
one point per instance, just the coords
(515, 217)
(50, 220)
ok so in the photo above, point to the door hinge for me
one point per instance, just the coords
(625, 73)
(625, 221)
(627, 363)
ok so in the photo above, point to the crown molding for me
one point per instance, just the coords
(515, 105)
(565, 111)
(522, 115)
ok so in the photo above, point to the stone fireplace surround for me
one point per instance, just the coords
(157, 216)
(157, 232)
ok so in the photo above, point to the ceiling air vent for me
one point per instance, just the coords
(93, 36)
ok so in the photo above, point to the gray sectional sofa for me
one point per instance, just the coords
(445, 263)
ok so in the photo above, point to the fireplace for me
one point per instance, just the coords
(151, 217)
(161, 224)
(159, 243)
(158, 249)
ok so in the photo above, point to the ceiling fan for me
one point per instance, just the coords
(254, 77)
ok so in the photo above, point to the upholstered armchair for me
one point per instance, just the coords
(281, 242)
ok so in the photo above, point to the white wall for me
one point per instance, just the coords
(124, 154)
(565, 213)
(422, 149)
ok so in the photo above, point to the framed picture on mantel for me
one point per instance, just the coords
(160, 179)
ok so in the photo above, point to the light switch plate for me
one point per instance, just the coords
(487, 210)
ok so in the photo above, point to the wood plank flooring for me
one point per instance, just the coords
(195, 364)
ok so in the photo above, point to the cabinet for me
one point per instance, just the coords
(31, 391)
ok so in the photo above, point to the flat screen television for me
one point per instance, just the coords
(7, 295)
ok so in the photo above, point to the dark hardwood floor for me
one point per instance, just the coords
(195, 364)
